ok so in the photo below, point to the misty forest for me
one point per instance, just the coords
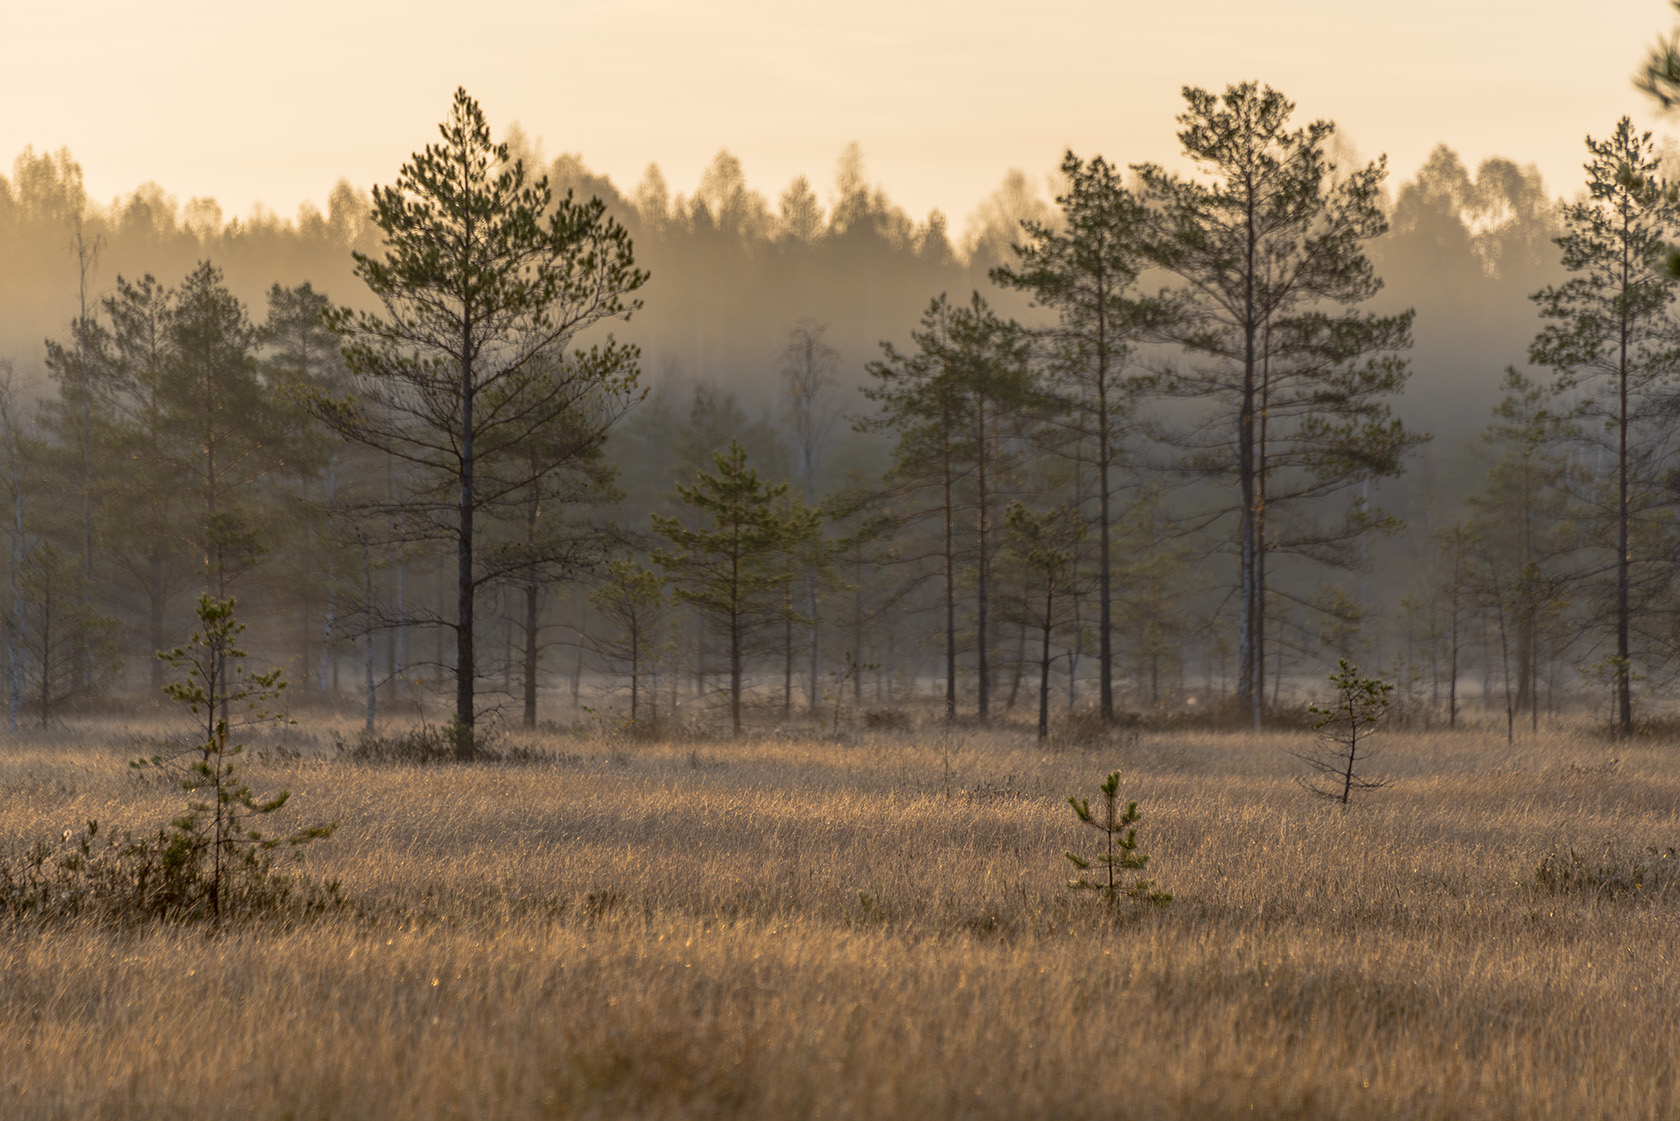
(1163, 442)
(683, 631)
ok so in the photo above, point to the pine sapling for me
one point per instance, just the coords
(215, 837)
(1343, 730)
(1120, 850)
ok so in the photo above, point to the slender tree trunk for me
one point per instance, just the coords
(950, 592)
(735, 672)
(787, 652)
(507, 654)
(330, 580)
(84, 263)
(466, 670)
(533, 590)
(306, 631)
(1624, 689)
(700, 656)
(14, 643)
(857, 630)
(1452, 669)
(635, 668)
(46, 612)
(577, 649)
(1353, 750)
(811, 611)
(156, 601)
(1105, 628)
(890, 659)
(1261, 476)
(1044, 666)
(367, 632)
(981, 638)
(1020, 660)
(1505, 664)
(1250, 645)
(531, 651)
(399, 662)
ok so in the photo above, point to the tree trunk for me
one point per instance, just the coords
(811, 611)
(1044, 668)
(950, 592)
(1624, 689)
(735, 671)
(635, 668)
(1105, 647)
(84, 655)
(1251, 651)
(14, 643)
(156, 602)
(982, 654)
(466, 670)
(46, 608)
(530, 668)
(367, 630)
(577, 660)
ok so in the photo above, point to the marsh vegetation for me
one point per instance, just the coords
(803, 923)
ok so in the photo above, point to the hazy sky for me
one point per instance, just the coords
(274, 103)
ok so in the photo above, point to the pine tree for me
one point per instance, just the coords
(1294, 376)
(1085, 269)
(485, 279)
(1611, 340)
(1045, 546)
(951, 403)
(1523, 522)
(633, 602)
(729, 568)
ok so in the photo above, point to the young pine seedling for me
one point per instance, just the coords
(1344, 729)
(1120, 851)
(213, 848)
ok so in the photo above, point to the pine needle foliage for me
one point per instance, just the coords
(727, 569)
(1343, 731)
(1120, 850)
(214, 848)
(467, 372)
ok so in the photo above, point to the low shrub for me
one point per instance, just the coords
(167, 876)
(888, 719)
(431, 745)
(1653, 873)
(1084, 729)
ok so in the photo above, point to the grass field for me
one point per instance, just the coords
(877, 926)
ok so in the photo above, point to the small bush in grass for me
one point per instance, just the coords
(121, 879)
(888, 719)
(435, 745)
(1651, 874)
(1085, 730)
(1120, 850)
(210, 861)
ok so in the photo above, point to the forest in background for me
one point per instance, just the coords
(746, 295)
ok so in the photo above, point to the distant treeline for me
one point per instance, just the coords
(924, 413)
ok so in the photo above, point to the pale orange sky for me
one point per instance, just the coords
(944, 96)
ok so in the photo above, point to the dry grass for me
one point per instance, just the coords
(876, 928)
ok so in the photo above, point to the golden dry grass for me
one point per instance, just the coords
(682, 931)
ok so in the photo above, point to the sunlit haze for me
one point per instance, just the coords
(271, 106)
